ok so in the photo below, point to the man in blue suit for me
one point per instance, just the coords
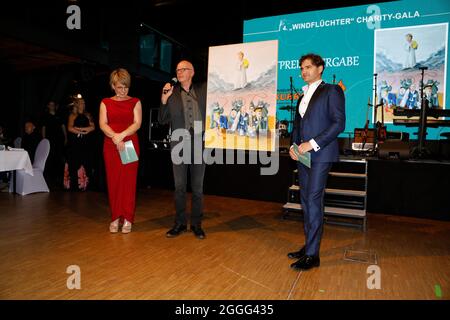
(320, 117)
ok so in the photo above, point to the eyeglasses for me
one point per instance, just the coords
(182, 70)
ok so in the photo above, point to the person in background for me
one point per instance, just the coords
(54, 130)
(71, 109)
(30, 139)
(120, 118)
(80, 125)
(4, 139)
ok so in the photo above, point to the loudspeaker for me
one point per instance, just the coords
(393, 149)
(397, 135)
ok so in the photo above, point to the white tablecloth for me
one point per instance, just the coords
(15, 160)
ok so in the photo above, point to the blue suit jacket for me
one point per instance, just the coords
(323, 121)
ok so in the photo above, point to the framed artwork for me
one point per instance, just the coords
(241, 97)
(399, 53)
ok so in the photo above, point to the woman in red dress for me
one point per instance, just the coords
(120, 118)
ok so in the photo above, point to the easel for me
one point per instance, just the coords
(375, 108)
(421, 152)
(292, 108)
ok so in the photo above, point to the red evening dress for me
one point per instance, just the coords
(121, 178)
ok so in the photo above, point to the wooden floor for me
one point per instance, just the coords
(243, 256)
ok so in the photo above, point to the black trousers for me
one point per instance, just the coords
(180, 174)
(197, 172)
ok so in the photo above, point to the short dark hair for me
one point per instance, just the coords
(30, 119)
(315, 60)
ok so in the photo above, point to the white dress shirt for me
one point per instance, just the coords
(308, 93)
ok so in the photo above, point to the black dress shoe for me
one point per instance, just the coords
(306, 263)
(198, 232)
(297, 254)
(176, 230)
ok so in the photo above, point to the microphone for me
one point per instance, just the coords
(172, 82)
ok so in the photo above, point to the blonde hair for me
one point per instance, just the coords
(120, 76)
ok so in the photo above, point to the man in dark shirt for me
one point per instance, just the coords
(4, 139)
(54, 130)
(30, 139)
(183, 106)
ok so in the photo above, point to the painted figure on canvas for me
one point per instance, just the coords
(242, 96)
(241, 67)
(410, 48)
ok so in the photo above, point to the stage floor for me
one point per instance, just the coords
(243, 256)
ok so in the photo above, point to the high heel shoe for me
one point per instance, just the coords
(114, 226)
(126, 228)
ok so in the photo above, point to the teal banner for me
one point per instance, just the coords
(392, 40)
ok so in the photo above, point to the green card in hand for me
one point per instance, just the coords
(128, 154)
(304, 158)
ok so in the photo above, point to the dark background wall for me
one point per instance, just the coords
(42, 60)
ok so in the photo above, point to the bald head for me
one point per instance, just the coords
(185, 73)
(185, 64)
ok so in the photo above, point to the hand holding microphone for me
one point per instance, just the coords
(167, 90)
(170, 85)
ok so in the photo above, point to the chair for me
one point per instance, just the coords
(25, 183)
